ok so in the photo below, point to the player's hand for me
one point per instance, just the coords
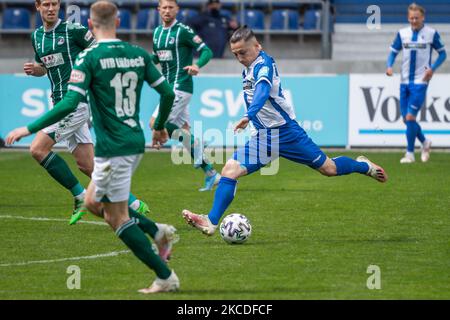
(389, 72)
(16, 135)
(159, 138)
(192, 70)
(241, 125)
(428, 75)
(28, 67)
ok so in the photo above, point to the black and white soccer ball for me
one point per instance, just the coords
(235, 228)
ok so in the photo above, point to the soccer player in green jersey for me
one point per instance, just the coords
(173, 45)
(114, 72)
(56, 45)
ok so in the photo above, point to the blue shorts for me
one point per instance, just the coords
(289, 141)
(412, 98)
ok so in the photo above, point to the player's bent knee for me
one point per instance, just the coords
(231, 170)
(38, 153)
(410, 117)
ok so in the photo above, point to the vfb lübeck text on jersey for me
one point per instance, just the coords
(112, 63)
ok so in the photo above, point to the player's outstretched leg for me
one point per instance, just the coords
(223, 197)
(344, 165)
(187, 139)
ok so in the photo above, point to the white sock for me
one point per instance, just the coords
(81, 195)
(135, 205)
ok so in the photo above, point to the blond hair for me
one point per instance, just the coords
(415, 7)
(103, 14)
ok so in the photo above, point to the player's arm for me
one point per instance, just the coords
(263, 76)
(83, 37)
(395, 49)
(154, 58)
(194, 41)
(36, 68)
(439, 47)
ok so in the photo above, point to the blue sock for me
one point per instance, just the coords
(411, 134)
(420, 134)
(131, 199)
(346, 165)
(222, 199)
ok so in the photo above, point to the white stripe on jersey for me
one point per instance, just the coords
(178, 58)
(77, 89)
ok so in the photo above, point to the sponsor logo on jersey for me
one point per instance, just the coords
(88, 36)
(53, 60)
(164, 55)
(414, 45)
(77, 76)
(60, 41)
(171, 40)
(197, 40)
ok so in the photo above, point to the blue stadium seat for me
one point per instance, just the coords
(84, 16)
(311, 20)
(226, 13)
(125, 19)
(147, 19)
(253, 18)
(184, 15)
(39, 20)
(16, 18)
(284, 20)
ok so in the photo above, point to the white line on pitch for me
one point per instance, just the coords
(50, 219)
(96, 256)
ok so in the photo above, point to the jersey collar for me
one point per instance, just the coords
(173, 23)
(54, 27)
(108, 40)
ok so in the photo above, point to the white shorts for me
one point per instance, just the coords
(73, 129)
(112, 177)
(179, 115)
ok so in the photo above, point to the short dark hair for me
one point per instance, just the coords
(243, 33)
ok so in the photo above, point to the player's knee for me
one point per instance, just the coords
(328, 170)
(231, 169)
(38, 153)
(410, 117)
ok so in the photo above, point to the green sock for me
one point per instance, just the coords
(144, 223)
(60, 171)
(140, 245)
(131, 199)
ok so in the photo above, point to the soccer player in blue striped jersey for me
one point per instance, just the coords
(417, 43)
(276, 131)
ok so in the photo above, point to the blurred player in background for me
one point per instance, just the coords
(277, 131)
(114, 72)
(173, 45)
(56, 45)
(417, 43)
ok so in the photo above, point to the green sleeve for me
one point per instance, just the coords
(83, 37)
(157, 81)
(165, 104)
(205, 55)
(194, 41)
(62, 109)
(155, 58)
(36, 56)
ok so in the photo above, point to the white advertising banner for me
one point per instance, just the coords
(374, 111)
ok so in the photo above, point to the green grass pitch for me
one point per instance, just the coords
(313, 237)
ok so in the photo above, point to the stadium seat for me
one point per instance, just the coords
(147, 19)
(311, 20)
(125, 19)
(184, 15)
(16, 18)
(226, 13)
(253, 18)
(284, 20)
(84, 16)
(39, 20)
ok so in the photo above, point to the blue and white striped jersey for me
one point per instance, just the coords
(417, 47)
(276, 111)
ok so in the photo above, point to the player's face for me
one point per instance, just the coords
(246, 51)
(416, 19)
(49, 10)
(168, 11)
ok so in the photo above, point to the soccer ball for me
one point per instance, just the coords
(235, 228)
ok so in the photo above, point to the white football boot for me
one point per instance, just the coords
(170, 284)
(199, 221)
(165, 238)
(426, 147)
(375, 171)
(408, 158)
